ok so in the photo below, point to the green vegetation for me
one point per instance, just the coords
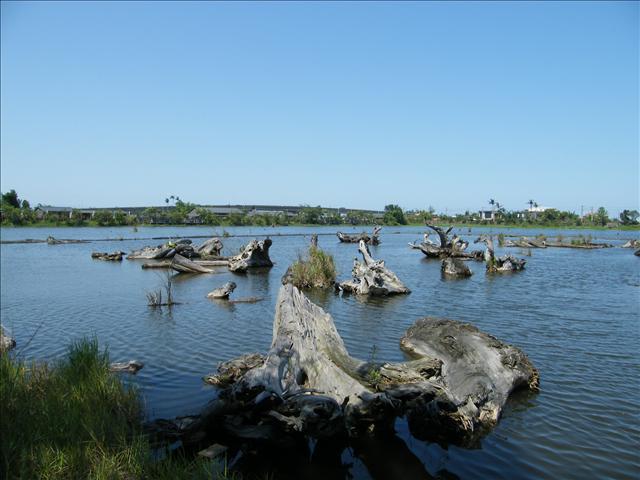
(75, 419)
(501, 239)
(15, 211)
(318, 270)
(394, 215)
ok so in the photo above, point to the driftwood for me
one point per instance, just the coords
(183, 265)
(223, 292)
(202, 263)
(6, 342)
(112, 257)
(632, 244)
(54, 241)
(505, 263)
(371, 277)
(637, 253)
(374, 239)
(454, 247)
(524, 242)
(167, 250)
(212, 247)
(454, 267)
(309, 385)
(254, 254)
(132, 366)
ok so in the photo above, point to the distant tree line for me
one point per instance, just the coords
(15, 211)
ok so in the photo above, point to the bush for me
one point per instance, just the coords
(318, 270)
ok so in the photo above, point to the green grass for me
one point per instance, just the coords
(317, 270)
(74, 419)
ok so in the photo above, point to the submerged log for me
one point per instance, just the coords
(6, 342)
(637, 253)
(525, 242)
(183, 265)
(454, 267)
(112, 257)
(308, 384)
(503, 264)
(371, 277)
(374, 239)
(212, 247)
(584, 246)
(54, 241)
(132, 366)
(223, 292)
(254, 254)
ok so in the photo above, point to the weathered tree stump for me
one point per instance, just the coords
(503, 264)
(255, 254)
(6, 342)
(371, 277)
(454, 247)
(132, 366)
(374, 239)
(308, 384)
(111, 257)
(168, 250)
(223, 292)
(212, 247)
(454, 267)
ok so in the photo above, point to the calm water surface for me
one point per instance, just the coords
(576, 313)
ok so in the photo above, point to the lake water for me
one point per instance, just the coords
(576, 313)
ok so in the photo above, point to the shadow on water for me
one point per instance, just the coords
(383, 456)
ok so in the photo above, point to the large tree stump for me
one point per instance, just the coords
(454, 247)
(503, 264)
(254, 254)
(167, 250)
(212, 247)
(455, 268)
(308, 384)
(374, 239)
(371, 277)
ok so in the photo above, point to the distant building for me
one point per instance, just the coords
(62, 213)
(487, 215)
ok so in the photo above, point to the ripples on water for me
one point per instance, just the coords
(574, 312)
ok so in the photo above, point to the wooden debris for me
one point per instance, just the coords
(112, 257)
(132, 366)
(183, 265)
(503, 264)
(309, 385)
(223, 292)
(6, 342)
(454, 267)
(254, 254)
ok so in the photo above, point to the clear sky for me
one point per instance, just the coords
(339, 104)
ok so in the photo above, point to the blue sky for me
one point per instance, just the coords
(339, 104)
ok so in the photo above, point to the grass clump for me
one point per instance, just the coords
(501, 239)
(74, 419)
(582, 240)
(318, 270)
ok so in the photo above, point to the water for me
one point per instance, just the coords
(574, 312)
